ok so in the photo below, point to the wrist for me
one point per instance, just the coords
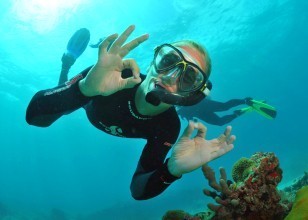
(166, 176)
(83, 88)
(172, 168)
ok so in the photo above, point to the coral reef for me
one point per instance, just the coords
(254, 195)
(180, 215)
(289, 192)
(297, 183)
(242, 168)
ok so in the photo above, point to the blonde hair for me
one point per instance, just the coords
(201, 49)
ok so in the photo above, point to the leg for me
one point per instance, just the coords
(67, 62)
(214, 119)
(75, 47)
(216, 106)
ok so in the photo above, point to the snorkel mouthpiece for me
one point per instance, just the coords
(152, 98)
(159, 94)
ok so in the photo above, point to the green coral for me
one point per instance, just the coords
(241, 169)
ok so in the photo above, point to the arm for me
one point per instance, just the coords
(104, 78)
(151, 179)
(48, 105)
(152, 176)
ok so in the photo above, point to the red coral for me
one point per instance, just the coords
(256, 197)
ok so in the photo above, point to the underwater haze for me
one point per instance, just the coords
(258, 49)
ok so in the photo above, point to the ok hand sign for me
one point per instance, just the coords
(190, 153)
(105, 76)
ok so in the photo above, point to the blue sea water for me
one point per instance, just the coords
(258, 49)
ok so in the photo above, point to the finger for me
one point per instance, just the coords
(122, 38)
(228, 131)
(106, 43)
(132, 65)
(189, 129)
(225, 136)
(201, 130)
(222, 138)
(231, 139)
(133, 44)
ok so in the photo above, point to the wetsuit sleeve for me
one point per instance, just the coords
(47, 106)
(152, 176)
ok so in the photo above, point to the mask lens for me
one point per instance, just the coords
(192, 78)
(166, 59)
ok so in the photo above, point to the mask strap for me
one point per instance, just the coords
(208, 88)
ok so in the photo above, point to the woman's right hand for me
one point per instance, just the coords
(104, 78)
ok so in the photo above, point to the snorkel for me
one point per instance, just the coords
(159, 94)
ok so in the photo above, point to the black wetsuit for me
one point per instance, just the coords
(117, 115)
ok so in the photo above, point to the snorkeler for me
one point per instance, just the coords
(120, 101)
(207, 109)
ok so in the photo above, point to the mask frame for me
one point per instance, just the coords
(178, 66)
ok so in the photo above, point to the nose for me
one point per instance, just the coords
(169, 80)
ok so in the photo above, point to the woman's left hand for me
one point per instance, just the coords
(191, 153)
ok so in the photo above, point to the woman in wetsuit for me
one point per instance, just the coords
(120, 101)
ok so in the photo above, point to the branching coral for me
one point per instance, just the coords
(254, 196)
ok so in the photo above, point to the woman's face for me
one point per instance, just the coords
(169, 80)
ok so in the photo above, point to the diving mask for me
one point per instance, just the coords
(192, 82)
(169, 60)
